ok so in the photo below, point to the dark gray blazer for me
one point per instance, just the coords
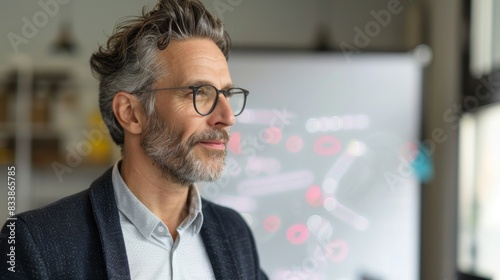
(80, 237)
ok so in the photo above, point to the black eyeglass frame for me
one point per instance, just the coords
(225, 92)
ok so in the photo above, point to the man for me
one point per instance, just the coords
(168, 100)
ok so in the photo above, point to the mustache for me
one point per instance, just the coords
(212, 134)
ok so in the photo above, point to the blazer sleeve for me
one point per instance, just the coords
(20, 257)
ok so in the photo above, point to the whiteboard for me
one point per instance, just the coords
(320, 164)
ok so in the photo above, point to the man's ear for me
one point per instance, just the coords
(128, 112)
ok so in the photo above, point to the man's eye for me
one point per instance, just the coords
(201, 92)
(205, 92)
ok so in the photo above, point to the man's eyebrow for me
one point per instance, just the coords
(205, 82)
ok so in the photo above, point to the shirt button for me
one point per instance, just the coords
(161, 229)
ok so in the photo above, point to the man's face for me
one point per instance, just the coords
(184, 145)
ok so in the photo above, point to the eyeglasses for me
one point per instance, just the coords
(205, 98)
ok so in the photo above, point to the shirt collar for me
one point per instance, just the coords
(142, 218)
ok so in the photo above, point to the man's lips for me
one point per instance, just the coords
(214, 144)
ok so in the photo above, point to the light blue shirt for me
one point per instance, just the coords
(151, 251)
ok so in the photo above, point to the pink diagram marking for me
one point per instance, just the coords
(273, 135)
(409, 151)
(294, 144)
(297, 234)
(327, 145)
(337, 250)
(314, 196)
(272, 223)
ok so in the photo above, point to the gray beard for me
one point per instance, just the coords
(176, 160)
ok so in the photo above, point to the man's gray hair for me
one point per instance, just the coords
(130, 61)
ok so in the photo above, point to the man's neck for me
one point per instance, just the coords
(165, 199)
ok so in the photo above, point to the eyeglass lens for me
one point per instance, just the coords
(205, 98)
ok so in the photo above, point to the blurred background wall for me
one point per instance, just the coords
(55, 45)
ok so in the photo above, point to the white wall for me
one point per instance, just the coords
(90, 20)
(262, 23)
(285, 23)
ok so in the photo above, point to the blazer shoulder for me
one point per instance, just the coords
(63, 209)
(68, 209)
(62, 240)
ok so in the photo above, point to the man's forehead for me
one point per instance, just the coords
(195, 61)
(193, 49)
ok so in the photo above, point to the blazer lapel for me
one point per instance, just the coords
(217, 245)
(108, 222)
